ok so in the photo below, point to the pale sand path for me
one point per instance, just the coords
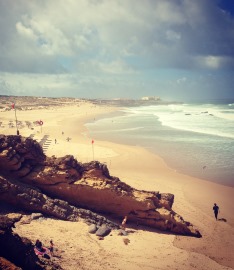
(147, 249)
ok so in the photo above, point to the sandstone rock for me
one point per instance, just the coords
(122, 232)
(87, 186)
(92, 228)
(26, 219)
(30, 199)
(7, 265)
(36, 216)
(8, 221)
(18, 251)
(104, 230)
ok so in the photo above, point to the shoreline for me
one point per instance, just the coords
(143, 170)
(206, 173)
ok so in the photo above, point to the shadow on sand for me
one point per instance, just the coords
(222, 219)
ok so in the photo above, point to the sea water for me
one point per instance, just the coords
(194, 139)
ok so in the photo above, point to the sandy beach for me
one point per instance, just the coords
(63, 133)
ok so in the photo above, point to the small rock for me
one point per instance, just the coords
(103, 230)
(122, 232)
(36, 216)
(92, 228)
(126, 241)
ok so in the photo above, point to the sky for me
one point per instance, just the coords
(175, 49)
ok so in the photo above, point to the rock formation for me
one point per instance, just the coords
(59, 186)
(18, 250)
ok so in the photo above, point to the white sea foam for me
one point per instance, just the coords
(206, 119)
(209, 136)
(227, 114)
(118, 130)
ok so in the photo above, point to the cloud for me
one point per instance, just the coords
(113, 38)
(64, 85)
(5, 87)
(117, 67)
(181, 80)
(74, 27)
(215, 62)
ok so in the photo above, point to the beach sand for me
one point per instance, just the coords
(147, 248)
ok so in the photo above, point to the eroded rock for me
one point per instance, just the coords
(104, 230)
(88, 185)
(17, 252)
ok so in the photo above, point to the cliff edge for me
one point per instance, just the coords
(65, 188)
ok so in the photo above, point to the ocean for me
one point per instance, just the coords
(196, 139)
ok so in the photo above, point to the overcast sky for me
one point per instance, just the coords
(175, 49)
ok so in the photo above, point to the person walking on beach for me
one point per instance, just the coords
(216, 210)
(123, 224)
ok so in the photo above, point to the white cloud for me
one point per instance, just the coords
(181, 80)
(98, 38)
(60, 84)
(120, 29)
(215, 62)
(26, 32)
(116, 67)
(212, 61)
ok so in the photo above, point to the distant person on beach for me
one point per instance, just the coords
(38, 246)
(123, 224)
(40, 250)
(216, 210)
(51, 248)
(55, 141)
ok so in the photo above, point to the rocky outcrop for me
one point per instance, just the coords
(89, 185)
(30, 199)
(16, 252)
